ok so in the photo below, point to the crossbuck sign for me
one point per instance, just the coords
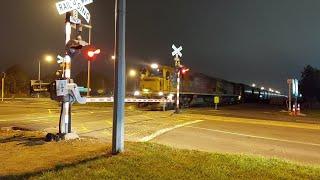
(79, 5)
(176, 51)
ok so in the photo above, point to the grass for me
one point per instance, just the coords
(24, 152)
(151, 161)
(315, 113)
(91, 159)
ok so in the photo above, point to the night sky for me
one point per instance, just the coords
(261, 41)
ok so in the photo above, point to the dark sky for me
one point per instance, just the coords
(262, 41)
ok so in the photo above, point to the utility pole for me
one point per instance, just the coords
(2, 85)
(120, 74)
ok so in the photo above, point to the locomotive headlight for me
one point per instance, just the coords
(160, 93)
(170, 96)
(145, 91)
(154, 66)
(136, 93)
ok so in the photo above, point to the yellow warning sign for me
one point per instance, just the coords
(216, 100)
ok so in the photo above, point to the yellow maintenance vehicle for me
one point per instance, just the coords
(156, 82)
(196, 89)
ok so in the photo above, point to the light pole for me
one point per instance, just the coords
(132, 74)
(47, 58)
(2, 85)
(89, 63)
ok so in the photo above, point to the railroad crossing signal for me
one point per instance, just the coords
(79, 5)
(176, 51)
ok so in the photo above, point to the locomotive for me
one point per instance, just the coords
(198, 89)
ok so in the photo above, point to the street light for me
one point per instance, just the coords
(253, 85)
(113, 57)
(132, 73)
(48, 58)
(262, 88)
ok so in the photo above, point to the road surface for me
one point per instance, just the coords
(87, 120)
(297, 142)
(234, 129)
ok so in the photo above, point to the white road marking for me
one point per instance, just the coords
(289, 124)
(252, 136)
(162, 131)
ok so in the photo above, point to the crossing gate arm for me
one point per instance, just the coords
(128, 100)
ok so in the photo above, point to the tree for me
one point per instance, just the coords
(310, 83)
(98, 83)
(17, 81)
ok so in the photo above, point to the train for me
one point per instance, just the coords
(198, 89)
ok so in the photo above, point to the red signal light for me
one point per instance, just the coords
(92, 53)
(184, 71)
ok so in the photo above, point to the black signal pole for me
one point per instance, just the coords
(120, 69)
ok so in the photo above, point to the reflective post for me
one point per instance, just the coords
(119, 89)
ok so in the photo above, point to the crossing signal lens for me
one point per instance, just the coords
(184, 71)
(92, 53)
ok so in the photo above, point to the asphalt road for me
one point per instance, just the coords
(296, 142)
(235, 129)
(87, 120)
